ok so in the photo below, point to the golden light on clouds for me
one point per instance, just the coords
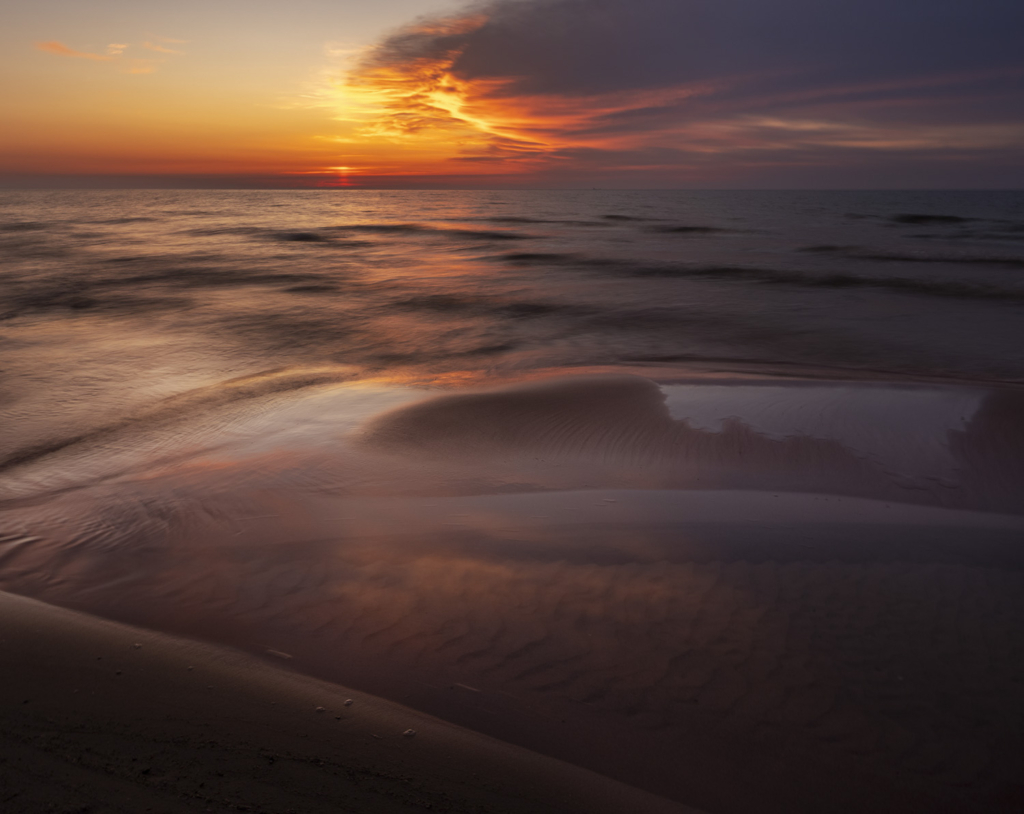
(426, 118)
(419, 112)
(116, 52)
(62, 50)
(523, 92)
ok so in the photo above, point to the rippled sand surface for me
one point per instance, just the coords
(590, 566)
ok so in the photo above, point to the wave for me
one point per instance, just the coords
(928, 287)
(184, 407)
(539, 258)
(75, 297)
(384, 228)
(217, 231)
(328, 241)
(937, 288)
(438, 302)
(329, 234)
(482, 234)
(553, 221)
(301, 237)
(690, 230)
(313, 288)
(912, 219)
(135, 289)
(412, 228)
(827, 248)
(968, 260)
(119, 221)
(445, 303)
(128, 294)
(1010, 234)
(995, 228)
(208, 277)
(24, 226)
(862, 253)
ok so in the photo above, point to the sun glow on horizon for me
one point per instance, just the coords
(521, 93)
(419, 115)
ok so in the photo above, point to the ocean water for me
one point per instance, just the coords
(634, 478)
(902, 283)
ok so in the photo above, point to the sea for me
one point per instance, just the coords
(638, 479)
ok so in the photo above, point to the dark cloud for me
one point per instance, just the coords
(584, 47)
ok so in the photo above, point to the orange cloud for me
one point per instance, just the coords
(160, 48)
(534, 88)
(414, 96)
(115, 52)
(60, 49)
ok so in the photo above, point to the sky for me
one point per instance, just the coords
(513, 93)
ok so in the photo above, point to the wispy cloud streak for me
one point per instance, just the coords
(115, 52)
(606, 84)
(161, 49)
(61, 50)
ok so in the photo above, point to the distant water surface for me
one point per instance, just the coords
(167, 289)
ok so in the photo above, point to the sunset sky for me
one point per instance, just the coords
(515, 93)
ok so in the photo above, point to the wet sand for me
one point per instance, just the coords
(102, 717)
(748, 617)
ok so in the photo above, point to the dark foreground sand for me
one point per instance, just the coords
(751, 598)
(102, 717)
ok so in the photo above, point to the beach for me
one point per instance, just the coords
(778, 570)
(103, 717)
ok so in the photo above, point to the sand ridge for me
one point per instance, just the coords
(102, 717)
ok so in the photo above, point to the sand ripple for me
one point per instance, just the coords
(755, 638)
(912, 669)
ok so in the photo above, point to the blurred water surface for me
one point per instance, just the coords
(110, 299)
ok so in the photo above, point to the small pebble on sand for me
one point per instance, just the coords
(320, 709)
(348, 702)
(409, 733)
